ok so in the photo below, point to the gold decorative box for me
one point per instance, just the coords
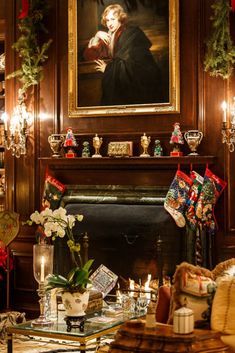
(120, 149)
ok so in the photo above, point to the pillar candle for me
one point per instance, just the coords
(42, 276)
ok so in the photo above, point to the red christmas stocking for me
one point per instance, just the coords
(177, 196)
(211, 190)
(194, 192)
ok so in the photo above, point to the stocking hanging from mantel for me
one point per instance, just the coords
(177, 197)
(211, 190)
(193, 247)
(193, 195)
(191, 201)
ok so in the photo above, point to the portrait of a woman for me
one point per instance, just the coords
(130, 73)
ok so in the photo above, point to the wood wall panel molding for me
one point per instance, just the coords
(200, 108)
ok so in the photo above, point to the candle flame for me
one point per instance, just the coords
(131, 287)
(224, 105)
(147, 287)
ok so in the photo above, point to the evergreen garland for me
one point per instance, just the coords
(220, 53)
(31, 53)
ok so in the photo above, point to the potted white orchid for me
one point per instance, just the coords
(58, 224)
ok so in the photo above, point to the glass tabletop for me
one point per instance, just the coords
(94, 324)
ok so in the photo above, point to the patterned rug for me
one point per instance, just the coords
(31, 345)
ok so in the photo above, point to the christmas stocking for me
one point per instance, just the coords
(177, 196)
(194, 192)
(211, 190)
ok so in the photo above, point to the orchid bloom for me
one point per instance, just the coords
(57, 224)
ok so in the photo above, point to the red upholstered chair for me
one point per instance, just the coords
(163, 304)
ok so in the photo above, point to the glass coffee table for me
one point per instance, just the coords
(95, 327)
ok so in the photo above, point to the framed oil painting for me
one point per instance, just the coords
(123, 57)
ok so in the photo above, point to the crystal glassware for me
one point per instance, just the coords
(42, 267)
(141, 304)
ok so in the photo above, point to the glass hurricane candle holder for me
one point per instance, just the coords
(42, 266)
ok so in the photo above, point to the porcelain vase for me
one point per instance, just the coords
(75, 303)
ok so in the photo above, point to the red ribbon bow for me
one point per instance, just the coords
(233, 5)
(25, 9)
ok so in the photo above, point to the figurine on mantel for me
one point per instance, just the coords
(97, 142)
(176, 140)
(158, 151)
(70, 144)
(145, 141)
(86, 149)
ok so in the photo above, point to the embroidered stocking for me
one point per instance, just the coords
(194, 192)
(177, 196)
(211, 190)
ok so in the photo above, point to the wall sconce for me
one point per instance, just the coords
(228, 133)
(16, 137)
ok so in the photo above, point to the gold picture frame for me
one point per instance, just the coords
(85, 83)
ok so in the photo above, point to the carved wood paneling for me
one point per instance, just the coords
(201, 97)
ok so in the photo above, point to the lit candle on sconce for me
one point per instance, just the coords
(42, 274)
(14, 123)
(224, 108)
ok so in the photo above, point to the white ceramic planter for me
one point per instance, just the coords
(75, 303)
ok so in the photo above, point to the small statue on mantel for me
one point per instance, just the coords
(145, 141)
(97, 142)
(70, 144)
(86, 149)
(176, 140)
(158, 151)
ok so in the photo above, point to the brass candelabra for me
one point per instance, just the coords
(228, 135)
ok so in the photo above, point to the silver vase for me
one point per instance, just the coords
(55, 141)
(193, 139)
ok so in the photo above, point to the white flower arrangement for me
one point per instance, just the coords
(58, 224)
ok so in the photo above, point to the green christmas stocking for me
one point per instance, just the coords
(194, 192)
(211, 190)
(177, 196)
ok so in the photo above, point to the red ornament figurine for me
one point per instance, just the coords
(176, 140)
(70, 144)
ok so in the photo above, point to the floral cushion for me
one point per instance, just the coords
(191, 283)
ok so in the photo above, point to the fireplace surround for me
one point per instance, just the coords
(128, 230)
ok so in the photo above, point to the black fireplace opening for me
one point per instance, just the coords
(125, 227)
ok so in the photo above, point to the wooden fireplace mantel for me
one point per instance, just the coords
(126, 163)
(152, 171)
